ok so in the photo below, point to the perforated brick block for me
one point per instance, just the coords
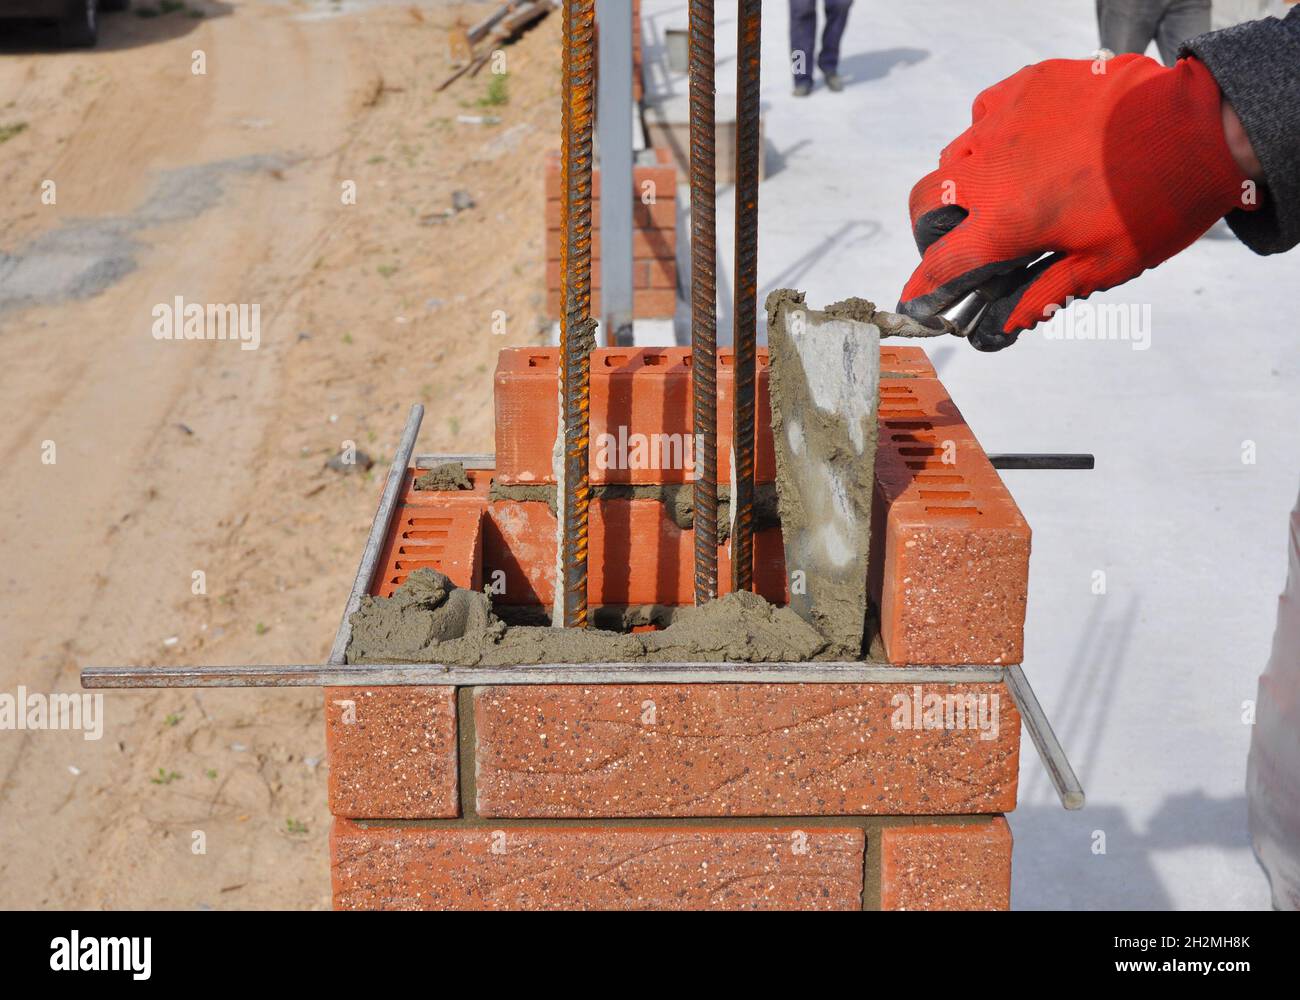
(637, 555)
(951, 578)
(641, 422)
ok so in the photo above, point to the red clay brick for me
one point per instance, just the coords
(444, 534)
(933, 867)
(638, 83)
(659, 214)
(638, 555)
(896, 360)
(651, 273)
(736, 750)
(645, 390)
(647, 244)
(949, 537)
(662, 178)
(646, 273)
(396, 758)
(596, 868)
(647, 303)
(955, 546)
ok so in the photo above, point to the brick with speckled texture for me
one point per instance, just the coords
(398, 758)
(736, 750)
(930, 867)
(596, 868)
(950, 549)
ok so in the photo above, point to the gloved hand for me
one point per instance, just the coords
(1111, 172)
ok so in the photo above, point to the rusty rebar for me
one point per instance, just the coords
(745, 304)
(704, 318)
(577, 329)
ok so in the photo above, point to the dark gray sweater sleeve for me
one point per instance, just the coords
(1257, 66)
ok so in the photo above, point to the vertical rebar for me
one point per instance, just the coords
(704, 320)
(577, 329)
(745, 304)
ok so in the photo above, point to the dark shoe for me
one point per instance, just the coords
(802, 88)
(835, 82)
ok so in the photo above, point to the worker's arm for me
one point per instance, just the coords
(1110, 169)
(1257, 67)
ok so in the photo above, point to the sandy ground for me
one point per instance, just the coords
(173, 458)
(1197, 439)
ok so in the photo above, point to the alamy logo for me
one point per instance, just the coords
(646, 451)
(1079, 320)
(181, 320)
(102, 954)
(33, 710)
(954, 710)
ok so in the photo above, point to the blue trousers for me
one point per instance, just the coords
(803, 36)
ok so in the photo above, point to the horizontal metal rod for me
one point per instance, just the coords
(1042, 461)
(407, 674)
(1007, 460)
(421, 674)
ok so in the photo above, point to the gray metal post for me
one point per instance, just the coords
(614, 136)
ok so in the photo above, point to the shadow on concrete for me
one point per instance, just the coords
(127, 29)
(863, 67)
(774, 160)
(1092, 686)
(1057, 865)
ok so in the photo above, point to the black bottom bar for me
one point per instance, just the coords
(940, 952)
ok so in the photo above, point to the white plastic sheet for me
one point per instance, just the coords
(1273, 770)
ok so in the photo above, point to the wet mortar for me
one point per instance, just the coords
(430, 620)
(824, 404)
(446, 477)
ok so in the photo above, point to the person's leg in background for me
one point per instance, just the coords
(1128, 25)
(803, 39)
(837, 19)
(1183, 19)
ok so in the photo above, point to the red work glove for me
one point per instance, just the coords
(1110, 171)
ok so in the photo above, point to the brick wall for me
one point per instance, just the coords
(654, 239)
(693, 796)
